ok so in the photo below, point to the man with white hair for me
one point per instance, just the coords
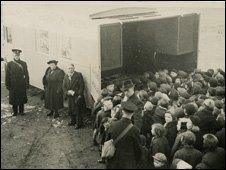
(73, 87)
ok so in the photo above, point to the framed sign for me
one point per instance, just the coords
(42, 41)
(8, 34)
(65, 47)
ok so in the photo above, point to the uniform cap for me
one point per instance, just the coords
(128, 106)
(15, 50)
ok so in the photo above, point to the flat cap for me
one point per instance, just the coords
(209, 103)
(52, 61)
(160, 157)
(129, 106)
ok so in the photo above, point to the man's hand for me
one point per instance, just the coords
(7, 87)
(70, 92)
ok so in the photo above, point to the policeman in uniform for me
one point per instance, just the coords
(128, 150)
(17, 82)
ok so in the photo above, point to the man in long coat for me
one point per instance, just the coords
(73, 87)
(128, 150)
(128, 89)
(17, 82)
(52, 82)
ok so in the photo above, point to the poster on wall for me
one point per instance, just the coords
(8, 35)
(42, 41)
(65, 47)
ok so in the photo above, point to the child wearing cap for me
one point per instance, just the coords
(160, 161)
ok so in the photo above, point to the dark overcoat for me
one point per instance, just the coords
(137, 116)
(160, 144)
(17, 81)
(208, 123)
(189, 154)
(76, 84)
(128, 150)
(171, 132)
(215, 159)
(52, 82)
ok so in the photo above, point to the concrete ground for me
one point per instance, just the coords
(37, 141)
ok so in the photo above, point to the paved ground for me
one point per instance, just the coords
(35, 141)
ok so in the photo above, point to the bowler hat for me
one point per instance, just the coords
(52, 61)
(127, 85)
(15, 50)
(128, 106)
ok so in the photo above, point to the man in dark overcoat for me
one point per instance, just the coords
(73, 87)
(17, 82)
(52, 82)
(128, 150)
(128, 89)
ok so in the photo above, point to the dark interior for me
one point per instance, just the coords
(150, 45)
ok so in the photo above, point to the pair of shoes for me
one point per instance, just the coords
(50, 114)
(77, 127)
(102, 161)
(15, 114)
(71, 124)
(22, 113)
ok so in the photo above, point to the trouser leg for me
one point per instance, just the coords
(21, 108)
(79, 114)
(15, 109)
(71, 111)
(56, 113)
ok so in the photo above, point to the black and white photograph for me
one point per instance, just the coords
(112, 84)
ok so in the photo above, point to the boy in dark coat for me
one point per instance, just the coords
(188, 153)
(17, 82)
(159, 142)
(214, 156)
(208, 123)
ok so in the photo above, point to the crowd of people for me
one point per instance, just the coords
(178, 121)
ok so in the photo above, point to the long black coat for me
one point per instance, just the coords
(171, 132)
(128, 150)
(208, 121)
(53, 88)
(190, 155)
(76, 84)
(17, 81)
(137, 117)
(215, 159)
(160, 144)
(147, 122)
